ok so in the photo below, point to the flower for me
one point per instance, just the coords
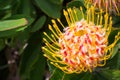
(83, 44)
(111, 6)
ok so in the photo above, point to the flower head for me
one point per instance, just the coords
(111, 6)
(83, 44)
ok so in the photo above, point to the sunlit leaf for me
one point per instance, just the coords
(12, 24)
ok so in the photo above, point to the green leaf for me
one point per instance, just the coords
(98, 76)
(5, 4)
(86, 76)
(27, 8)
(37, 72)
(112, 36)
(12, 32)
(12, 24)
(111, 74)
(114, 63)
(57, 74)
(49, 8)
(2, 44)
(76, 3)
(29, 19)
(116, 21)
(10, 28)
(32, 63)
(57, 1)
(115, 50)
(7, 8)
(39, 24)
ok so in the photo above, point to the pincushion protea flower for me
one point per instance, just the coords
(82, 45)
(111, 6)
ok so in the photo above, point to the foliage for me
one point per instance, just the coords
(22, 23)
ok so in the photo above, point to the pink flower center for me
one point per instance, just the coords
(83, 44)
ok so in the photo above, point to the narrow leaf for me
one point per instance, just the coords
(32, 62)
(39, 24)
(12, 24)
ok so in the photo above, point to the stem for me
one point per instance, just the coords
(12, 65)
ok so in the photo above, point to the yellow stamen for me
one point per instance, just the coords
(56, 27)
(56, 35)
(66, 16)
(83, 45)
(71, 15)
(60, 23)
(82, 12)
(75, 14)
(49, 38)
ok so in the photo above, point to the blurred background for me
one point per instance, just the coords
(22, 23)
